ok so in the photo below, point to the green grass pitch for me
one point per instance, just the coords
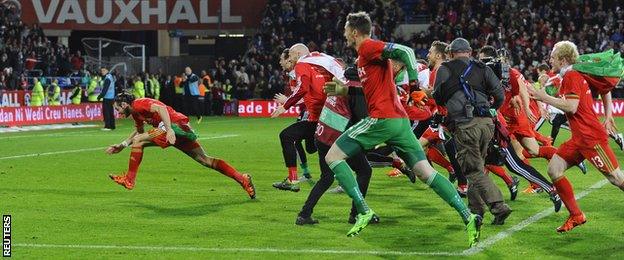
(63, 205)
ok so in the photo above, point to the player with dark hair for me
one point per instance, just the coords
(387, 123)
(171, 128)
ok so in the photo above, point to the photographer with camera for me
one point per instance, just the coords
(465, 86)
(501, 151)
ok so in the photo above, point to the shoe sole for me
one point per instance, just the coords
(282, 188)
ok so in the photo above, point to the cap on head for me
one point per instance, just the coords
(460, 45)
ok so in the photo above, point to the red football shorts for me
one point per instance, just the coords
(600, 155)
(431, 135)
(159, 137)
(519, 126)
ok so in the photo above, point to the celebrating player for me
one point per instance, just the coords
(310, 79)
(589, 136)
(387, 123)
(171, 128)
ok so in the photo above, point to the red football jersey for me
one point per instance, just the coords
(378, 81)
(310, 82)
(584, 124)
(141, 113)
(514, 89)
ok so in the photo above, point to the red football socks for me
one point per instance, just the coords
(500, 172)
(526, 154)
(436, 156)
(292, 173)
(227, 170)
(565, 191)
(136, 156)
(547, 152)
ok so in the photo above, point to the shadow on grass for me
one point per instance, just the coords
(190, 211)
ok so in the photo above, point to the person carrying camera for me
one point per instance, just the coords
(465, 86)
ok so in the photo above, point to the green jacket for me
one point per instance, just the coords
(37, 95)
(139, 90)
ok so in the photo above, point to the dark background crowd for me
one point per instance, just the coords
(527, 29)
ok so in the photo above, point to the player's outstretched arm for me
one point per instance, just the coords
(403, 54)
(609, 122)
(335, 88)
(164, 116)
(566, 105)
(116, 148)
(524, 98)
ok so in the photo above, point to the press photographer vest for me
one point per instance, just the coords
(454, 97)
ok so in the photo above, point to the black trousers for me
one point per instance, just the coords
(292, 134)
(358, 163)
(178, 103)
(517, 166)
(559, 120)
(192, 107)
(421, 127)
(108, 113)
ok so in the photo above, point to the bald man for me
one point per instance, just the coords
(311, 70)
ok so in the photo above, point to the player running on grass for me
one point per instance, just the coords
(589, 137)
(171, 128)
(387, 123)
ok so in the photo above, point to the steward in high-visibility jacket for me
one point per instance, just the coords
(37, 95)
(155, 86)
(54, 94)
(76, 96)
(139, 88)
(94, 89)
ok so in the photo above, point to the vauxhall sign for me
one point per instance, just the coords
(142, 14)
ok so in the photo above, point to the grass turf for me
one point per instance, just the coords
(179, 209)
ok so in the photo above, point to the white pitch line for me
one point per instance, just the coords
(52, 134)
(479, 248)
(540, 215)
(255, 250)
(91, 149)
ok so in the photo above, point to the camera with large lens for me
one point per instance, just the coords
(499, 65)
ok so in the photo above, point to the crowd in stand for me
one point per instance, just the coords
(527, 29)
(26, 51)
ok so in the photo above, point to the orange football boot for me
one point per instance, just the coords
(121, 180)
(394, 173)
(572, 222)
(248, 186)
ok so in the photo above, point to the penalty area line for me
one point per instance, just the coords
(91, 149)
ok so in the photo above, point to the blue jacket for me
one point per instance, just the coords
(191, 85)
(108, 91)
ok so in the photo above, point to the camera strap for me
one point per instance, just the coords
(466, 88)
